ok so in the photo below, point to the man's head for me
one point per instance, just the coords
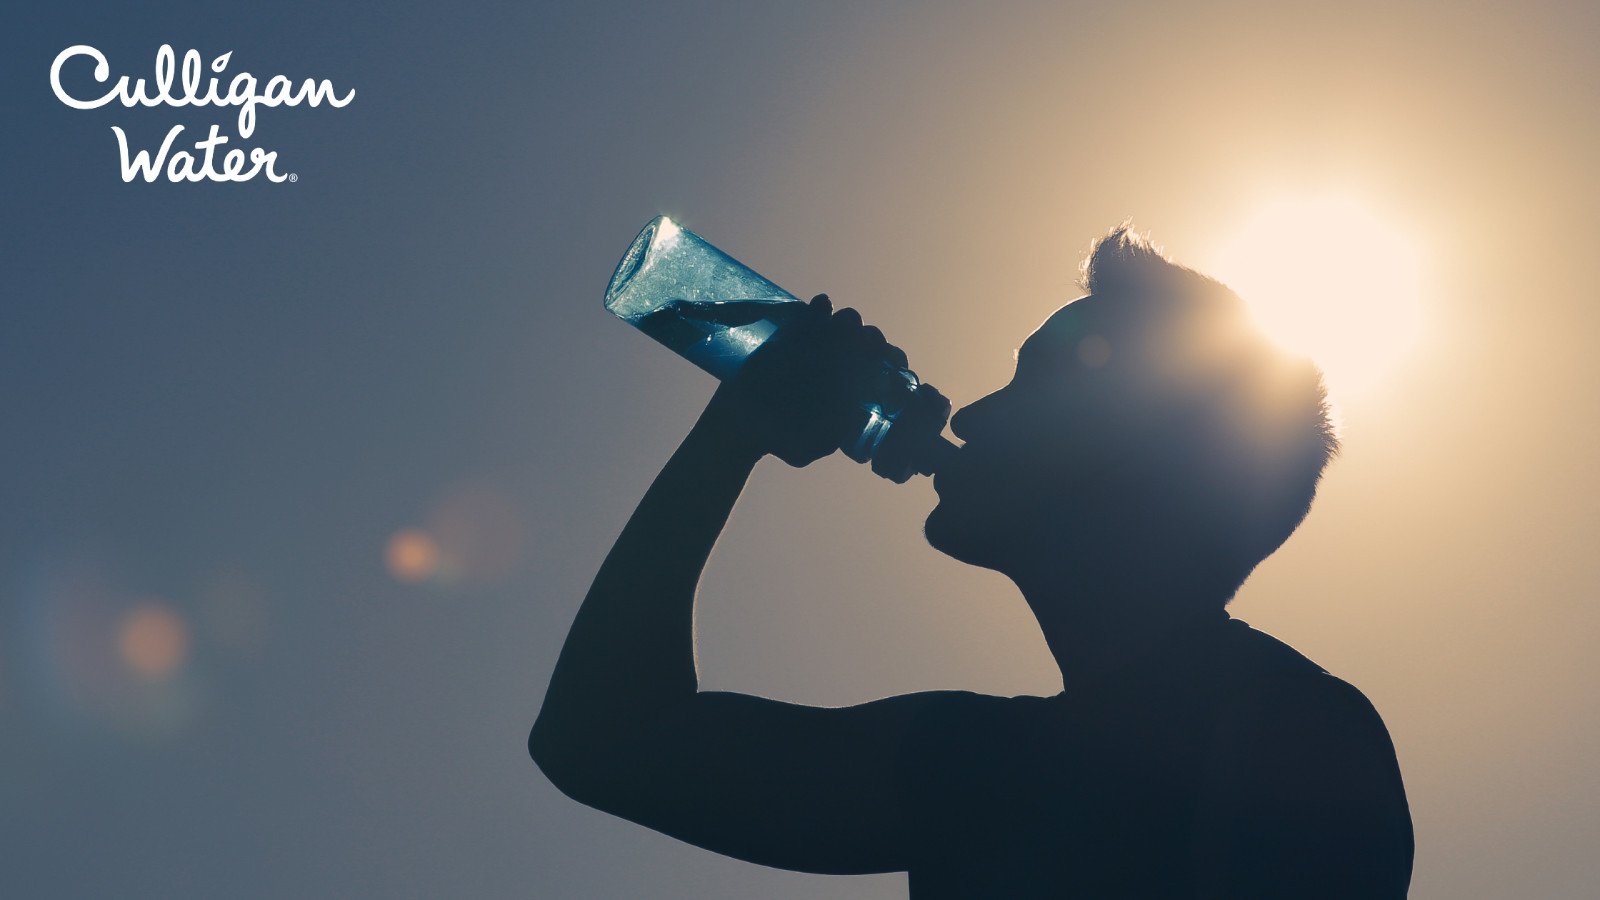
(1149, 424)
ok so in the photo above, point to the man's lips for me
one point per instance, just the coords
(950, 462)
(937, 455)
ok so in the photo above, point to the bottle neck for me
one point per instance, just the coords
(910, 441)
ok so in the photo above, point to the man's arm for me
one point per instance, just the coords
(624, 727)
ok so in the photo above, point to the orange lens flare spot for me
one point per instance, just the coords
(153, 641)
(412, 555)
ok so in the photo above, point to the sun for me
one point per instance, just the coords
(1328, 278)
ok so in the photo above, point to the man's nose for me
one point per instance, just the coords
(968, 421)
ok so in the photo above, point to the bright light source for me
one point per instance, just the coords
(1329, 279)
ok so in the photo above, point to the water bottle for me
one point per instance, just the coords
(712, 310)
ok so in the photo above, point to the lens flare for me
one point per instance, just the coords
(412, 555)
(153, 641)
(1329, 279)
(482, 535)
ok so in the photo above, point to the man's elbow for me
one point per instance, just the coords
(550, 745)
(585, 767)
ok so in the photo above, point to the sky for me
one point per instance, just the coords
(301, 483)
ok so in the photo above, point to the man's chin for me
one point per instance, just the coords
(954, 537)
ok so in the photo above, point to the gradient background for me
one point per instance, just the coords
(219, 402)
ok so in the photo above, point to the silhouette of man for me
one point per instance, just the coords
(1150, 450)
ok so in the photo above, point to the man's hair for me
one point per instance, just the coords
(1249, 426)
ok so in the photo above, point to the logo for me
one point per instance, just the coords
(207, 160)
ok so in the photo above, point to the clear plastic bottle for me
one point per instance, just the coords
(712, 310)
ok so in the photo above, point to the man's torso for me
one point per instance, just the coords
(1132, 786)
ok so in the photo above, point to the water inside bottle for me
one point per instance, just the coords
(714, 311)
(716, 335)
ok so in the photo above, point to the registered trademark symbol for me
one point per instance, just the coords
(293, 177)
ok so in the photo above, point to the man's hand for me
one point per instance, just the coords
(797, 396)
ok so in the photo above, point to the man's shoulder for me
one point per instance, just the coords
(1250, 664)
(1309, 774)
(1251, 652)
(1280, 705)
(1245, 674)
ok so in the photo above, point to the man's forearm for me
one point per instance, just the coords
(630, 653)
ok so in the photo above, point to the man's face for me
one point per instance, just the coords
(1035, 451)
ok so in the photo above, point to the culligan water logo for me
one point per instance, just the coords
(207, 160)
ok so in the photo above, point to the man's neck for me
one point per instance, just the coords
(1097, 626)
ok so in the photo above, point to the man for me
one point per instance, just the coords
(1150, 450)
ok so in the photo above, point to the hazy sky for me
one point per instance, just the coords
(220, 402)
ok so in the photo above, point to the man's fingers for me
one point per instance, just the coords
(874, 345)
(846, 319)
(852, 338)
(896, 356)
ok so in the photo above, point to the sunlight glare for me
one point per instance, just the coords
(1328, 279)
